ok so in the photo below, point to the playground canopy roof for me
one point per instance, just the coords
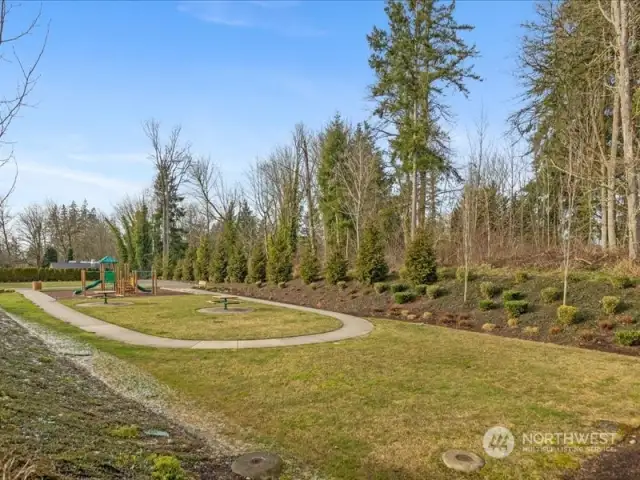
(108, 259)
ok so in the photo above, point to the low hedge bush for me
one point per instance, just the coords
(629, 338)
(510, 295)
(32, 274)
(550, 294)
(399, 287)
(567, 314)
(380, 287)
(621, 282)
(610, 304)
(420, 289)
(486, 305)
(460, 275)
(404, 297)
(515, 308)
(489, 290)
(435, 291)
(521, 276)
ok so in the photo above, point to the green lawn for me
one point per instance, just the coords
(45, 285)
(386, 406)
(177, 317)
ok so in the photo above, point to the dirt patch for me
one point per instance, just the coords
(539, 324)
(68, 424)
(621, 464)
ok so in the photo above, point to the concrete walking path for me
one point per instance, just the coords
(351, 326)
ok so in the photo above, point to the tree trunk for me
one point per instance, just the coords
(422, 199)
(310, 206)
(620, 14)
(611, 174)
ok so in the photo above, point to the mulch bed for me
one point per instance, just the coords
(365, 302)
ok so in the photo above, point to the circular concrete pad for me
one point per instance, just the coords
(462, 461)
(102, 304)
(217, 310)
(257, 465)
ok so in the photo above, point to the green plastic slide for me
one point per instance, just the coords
(88, 287)
(142, 289)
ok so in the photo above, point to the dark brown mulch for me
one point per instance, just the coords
(448, 311)
(623, 463)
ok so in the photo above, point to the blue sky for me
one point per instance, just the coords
(236, 75)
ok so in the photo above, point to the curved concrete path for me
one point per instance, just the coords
(351, 326)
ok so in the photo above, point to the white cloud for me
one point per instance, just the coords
(272, 16)
(109, 157)
(90, 178)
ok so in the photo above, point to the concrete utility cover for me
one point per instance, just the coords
(257, 465)
(217, 310)
(462, 461)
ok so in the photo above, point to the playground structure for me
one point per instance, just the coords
(117, 279)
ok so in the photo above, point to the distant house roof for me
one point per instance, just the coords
(73, 265)
(108, 259)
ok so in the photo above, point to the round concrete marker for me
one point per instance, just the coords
(102, 304)
(217, 310)
(462, 461)
(257, 465)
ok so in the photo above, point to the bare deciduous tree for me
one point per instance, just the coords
(32, 224)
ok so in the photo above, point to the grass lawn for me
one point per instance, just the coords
(386, 406)
(177, 317)
(45, 285)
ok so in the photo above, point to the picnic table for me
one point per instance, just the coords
(224, 300)
(104, 294)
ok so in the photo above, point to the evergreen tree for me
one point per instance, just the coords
(237, 265)
(219, 263)
(142, 239)
(258, 264)
(309, 264)
(337, 266)
(420, 260)
(69, 254)
(415, 60)
(203, 258)
(188, 265)
(279, 257)
(371, 265)
(50, 256)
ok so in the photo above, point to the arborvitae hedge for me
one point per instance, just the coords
(309, 264)
(420, 260)
(258, 264)
(31, 274)
(370, 263)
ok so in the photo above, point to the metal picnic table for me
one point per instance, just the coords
(224, 300)
(104, 294)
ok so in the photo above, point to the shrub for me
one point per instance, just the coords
(435, 291)
(342, 284)
(512, 322)
(610, 304)
(167, 467)
(460, 275)
(313, 286)
(621, 282)
(282, 284)
(336, 269)
(399, 287)
(629, 338)
(489, 327)
(447, 273)
(489, 290)
(258, 284)
(257, 271)
(515, 308)
(531, 330)
(279, 257)
(404, 297)
(626, 319)
(555, 330)
(550, 294)
(125, 431)
(510, 295)
(309, 264)
(420, 289)
(606, 324)
(420, 260)
(567, 315)
(380, 287)
(586, 335)
(371, 266)
(486, 305)
(521, 276)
